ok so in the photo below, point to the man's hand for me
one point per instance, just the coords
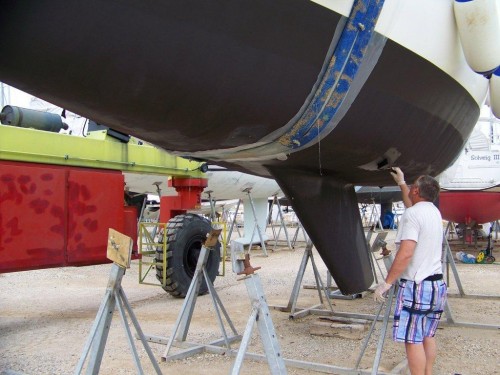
(398, 175)
(382, 288)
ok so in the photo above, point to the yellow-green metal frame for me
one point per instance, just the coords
(96, 150)
(100, 150)
(148, 248)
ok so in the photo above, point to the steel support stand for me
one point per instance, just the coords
(212, 205)
(383, 330)
(96, 342)
(261, 316)
(256, 226)
(388, 259)
(378, 243)
(291, 308)
(449, 262)
(296, 234)
(373, 217)
(450, 230)
(233, 222)
(342, 370)
(282, 224)
(181, 327)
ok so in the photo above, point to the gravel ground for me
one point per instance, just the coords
(46, 316)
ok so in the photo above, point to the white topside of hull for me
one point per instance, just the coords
(427, 28)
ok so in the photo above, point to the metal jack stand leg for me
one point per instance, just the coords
(256, 226)
(183, 322)
(261, 316)
(96, 342)
(388, 259)
(383, 329)
(292, 304)
(296, 234)
(212, 205)
(449, 261)
(233, 222)
(276, 202)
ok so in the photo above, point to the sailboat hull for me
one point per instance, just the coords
(468, 207)
(198, 78)
(256, 86)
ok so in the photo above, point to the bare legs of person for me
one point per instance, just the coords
(421, 357)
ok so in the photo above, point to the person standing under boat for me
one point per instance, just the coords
(421, 296)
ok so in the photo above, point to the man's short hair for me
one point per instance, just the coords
(428, 187)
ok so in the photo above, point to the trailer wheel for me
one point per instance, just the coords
(185, 235)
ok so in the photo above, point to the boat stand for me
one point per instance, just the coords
(386, 318)
(256, 226)
(260, 314)
(211, 201)
(449, 262)
(233, 223)
(114, 297)
(381, 340)
(320, 367)
(291, 308)
(378, 244)
(375, 217)
(181, 327)
(276, 235)
(271, 348)
(295, 238)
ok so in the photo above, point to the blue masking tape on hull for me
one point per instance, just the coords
(341, 72)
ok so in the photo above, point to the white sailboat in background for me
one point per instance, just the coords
(471, 186)
(478, 165)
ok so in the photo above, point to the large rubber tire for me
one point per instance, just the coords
(185, 236)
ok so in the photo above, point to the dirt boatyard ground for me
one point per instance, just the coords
(46, 316)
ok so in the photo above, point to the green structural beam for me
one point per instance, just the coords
(96, 150)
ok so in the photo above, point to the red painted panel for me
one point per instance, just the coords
(52, 216)
(32, 216)
(131, 228)
(95, 204)
(467, 206)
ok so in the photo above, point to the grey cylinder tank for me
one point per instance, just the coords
(28, 118)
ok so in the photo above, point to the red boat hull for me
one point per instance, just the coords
(470, 206)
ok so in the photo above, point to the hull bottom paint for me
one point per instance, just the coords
(286, 89)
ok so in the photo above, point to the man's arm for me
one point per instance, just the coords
(399, 178)
(404, 192)
(401, 260)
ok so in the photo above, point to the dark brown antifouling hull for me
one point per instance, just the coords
(194, 76)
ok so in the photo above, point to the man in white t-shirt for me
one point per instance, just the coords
(422, 292)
